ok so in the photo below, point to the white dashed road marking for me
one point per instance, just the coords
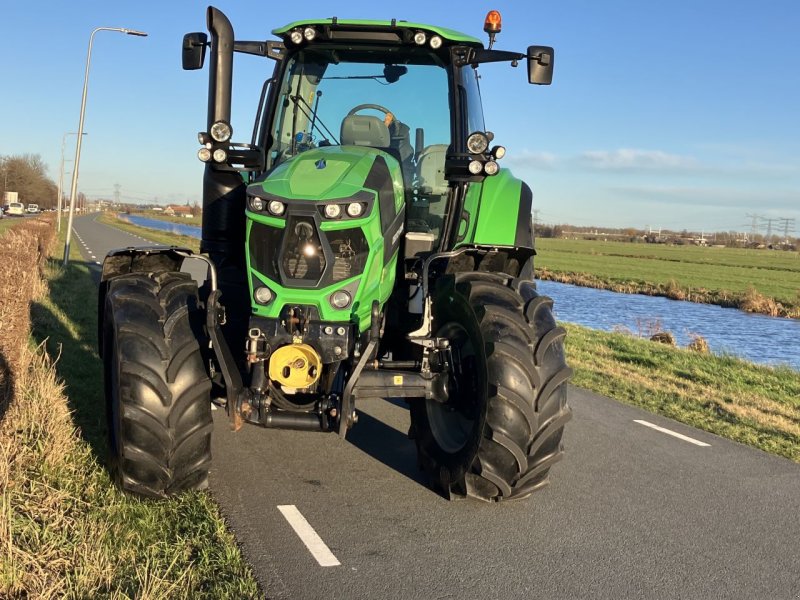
(680, 436)
(309, 537)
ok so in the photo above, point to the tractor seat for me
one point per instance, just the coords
(364, 130)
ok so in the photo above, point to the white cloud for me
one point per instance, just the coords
(632, 159)
(531, 159)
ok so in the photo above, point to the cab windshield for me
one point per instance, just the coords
(355, 97)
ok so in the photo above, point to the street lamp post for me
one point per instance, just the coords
(74, 187)
(61, 175)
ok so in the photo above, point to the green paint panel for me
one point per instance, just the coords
(496, 202)
(448, 34)
(346, 168)
(300, 178)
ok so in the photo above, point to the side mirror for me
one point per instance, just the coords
(194, 50)
(540, 64)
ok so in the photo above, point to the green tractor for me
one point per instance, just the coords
(365, 243)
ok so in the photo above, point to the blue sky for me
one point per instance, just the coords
(676, 115)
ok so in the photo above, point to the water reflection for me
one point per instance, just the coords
(756, 338)
(176, 228)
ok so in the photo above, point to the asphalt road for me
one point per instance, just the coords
(632, 511)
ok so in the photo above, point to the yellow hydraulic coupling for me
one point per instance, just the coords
(295, 366)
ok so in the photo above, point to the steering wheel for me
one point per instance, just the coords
(377, 107)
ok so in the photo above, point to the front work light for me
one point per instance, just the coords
(220, 155)
(263, 295)
(420, 38)
(354, 209)
(491, 168)
(204, 154)
(221, 131)
(256, 203)
(436, 42)
(477, 143)
(475, 167)
(276, 207)
(296, 36)
(309, 33)
(340, 299)
(333, 211)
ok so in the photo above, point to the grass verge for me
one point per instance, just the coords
(65, 530)
(755, 405)
(159, 237)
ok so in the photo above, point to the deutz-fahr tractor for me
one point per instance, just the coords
(365, 243)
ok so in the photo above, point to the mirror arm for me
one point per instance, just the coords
(463, 55)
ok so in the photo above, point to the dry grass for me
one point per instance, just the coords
(65, 530)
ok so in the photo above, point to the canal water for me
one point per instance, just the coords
(756, 338)
(176, 228)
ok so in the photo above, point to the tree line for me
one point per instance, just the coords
(26, 174)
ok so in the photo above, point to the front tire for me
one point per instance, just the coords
(157, 389)
(501, 429)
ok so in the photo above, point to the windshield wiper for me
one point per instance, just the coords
(297, 99)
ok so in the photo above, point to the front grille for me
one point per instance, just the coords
(302, 255)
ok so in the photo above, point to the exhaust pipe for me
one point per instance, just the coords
(224, 195)
(220, 79)
(223, 190)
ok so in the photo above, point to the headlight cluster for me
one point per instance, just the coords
(220, 133)
(299, 34)
(334, 211)
(481, 161)
(421, 37)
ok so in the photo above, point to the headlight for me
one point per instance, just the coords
(477, 143)
(475, 167)
(436, 42)
(296, 36)
(309, 33)
(340, 299)
(333, 211)
(263, 295)
(420, 38)
(498, 152)
(354, 209)
(276, 207)
(491, 168)
(221, 131)
(204, 154)
(220, 155)
(256, 203)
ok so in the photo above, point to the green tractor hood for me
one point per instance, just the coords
(357, 250)
(324, 173)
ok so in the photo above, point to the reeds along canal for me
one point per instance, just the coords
(756, 338)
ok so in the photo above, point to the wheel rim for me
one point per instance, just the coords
(452, 423)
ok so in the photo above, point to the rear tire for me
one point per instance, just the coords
(501, 429)
(157, 389)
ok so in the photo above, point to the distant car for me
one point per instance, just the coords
(33, 209)
(16, 209)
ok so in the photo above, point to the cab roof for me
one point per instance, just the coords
(447, 34)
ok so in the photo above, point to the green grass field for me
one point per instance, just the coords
(755, 405)
(716, 273)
